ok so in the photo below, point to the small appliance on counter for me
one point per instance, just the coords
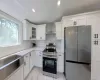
(33, 44)
(50, 60)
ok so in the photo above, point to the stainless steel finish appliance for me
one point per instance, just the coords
(9, 64)
(50, 65)
(50, 60)
(77, 40)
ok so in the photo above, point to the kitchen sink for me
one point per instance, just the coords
(9, 64)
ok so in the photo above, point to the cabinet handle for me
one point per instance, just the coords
(24, 63)
(40, 37)
(30, 54)
(59, 55)
(75, 23)
(30, 37)
(26, 56)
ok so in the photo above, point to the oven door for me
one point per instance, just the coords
(50, 65)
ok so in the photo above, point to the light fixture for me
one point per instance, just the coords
(33, 10)
(59, 2)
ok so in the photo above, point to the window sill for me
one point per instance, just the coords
(11, 45)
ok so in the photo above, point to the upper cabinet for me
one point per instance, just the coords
(29, 31)
(33, 32)
(78, 20)
(58, 30)
(41, 32)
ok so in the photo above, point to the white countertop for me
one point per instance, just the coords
(24, 52)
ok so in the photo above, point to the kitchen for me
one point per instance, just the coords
(41, 42)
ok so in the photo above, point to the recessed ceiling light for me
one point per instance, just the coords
(33, 10)
(59, 2)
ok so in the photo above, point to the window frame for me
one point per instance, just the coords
(12, 19)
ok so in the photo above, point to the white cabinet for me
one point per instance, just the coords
(60, 62)
(26, 65)
(58, 30)
(38, 58)
(41, 32)
(29, 30)
(79, 20)
(31, 60)
(18, 75)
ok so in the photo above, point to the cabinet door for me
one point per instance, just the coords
(40, 32)
(60, 62)
(26, 65)
(33, 33)
(79, 20)
(18, 75)
(38, 59)
(58, 30)
(27, 30)
(32, 59)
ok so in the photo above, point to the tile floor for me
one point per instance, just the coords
(36, 74)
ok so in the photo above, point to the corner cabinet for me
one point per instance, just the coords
(41, 32)
(29, 30)
(58, 30)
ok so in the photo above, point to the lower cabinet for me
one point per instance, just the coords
(60, 62)
(32, 60)
(26, 65)
(18, 75)
(38, 58)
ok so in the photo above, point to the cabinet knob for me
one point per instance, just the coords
(24, 63)
(75, 23)
(30, 37)
(40, 37)
(30, 54)
(26, 56)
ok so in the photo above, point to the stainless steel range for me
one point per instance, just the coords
(50, 60)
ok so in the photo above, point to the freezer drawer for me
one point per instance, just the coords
(76, 71)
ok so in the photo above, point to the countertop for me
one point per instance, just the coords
(24, 52)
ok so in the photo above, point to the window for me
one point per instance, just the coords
(9, 34)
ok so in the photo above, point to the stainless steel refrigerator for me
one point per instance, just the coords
(77, 44)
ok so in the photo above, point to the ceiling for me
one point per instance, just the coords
(46, 11)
